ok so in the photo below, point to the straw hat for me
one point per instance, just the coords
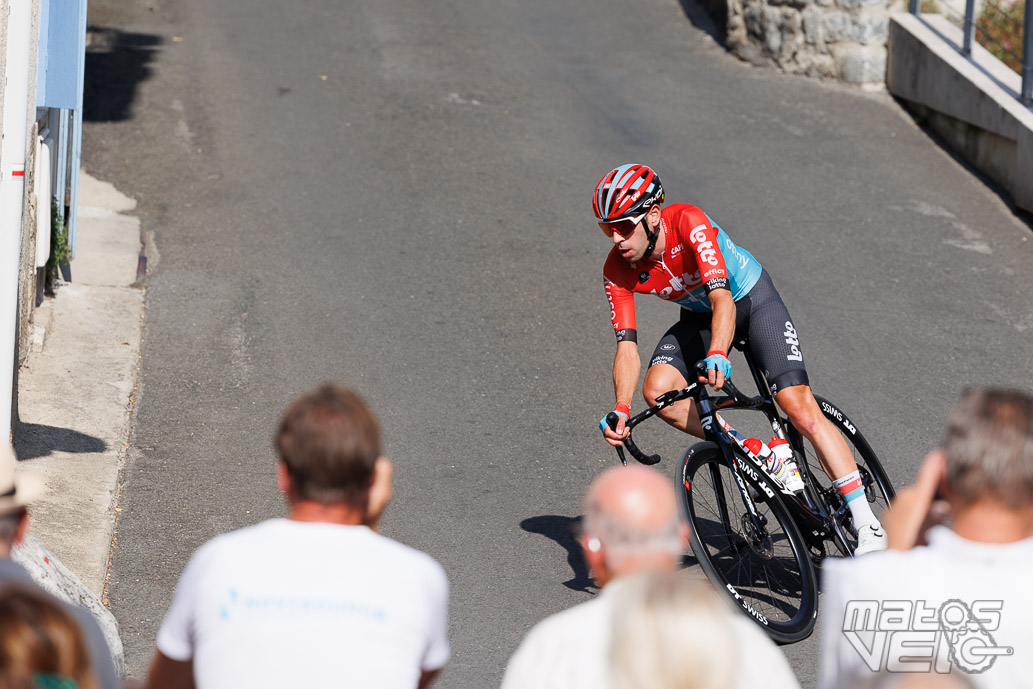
(16, 492)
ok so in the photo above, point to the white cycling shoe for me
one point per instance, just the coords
(870, 539)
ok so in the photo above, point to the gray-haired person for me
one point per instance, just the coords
(631, 525)
(947, 599)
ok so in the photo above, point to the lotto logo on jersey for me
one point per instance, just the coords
(676, 284)
(704, 247)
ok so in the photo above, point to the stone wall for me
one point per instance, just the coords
(840, 39)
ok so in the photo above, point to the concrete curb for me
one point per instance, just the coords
(75, 398)
(59, 581)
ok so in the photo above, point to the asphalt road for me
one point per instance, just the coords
(394, 194)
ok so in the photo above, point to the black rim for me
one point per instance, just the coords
(769, 576)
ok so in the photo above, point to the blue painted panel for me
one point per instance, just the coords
(65, 60)
(43, 53)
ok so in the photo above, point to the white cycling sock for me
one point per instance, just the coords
(852, 490)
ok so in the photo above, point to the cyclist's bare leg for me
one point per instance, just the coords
(799, 405)
(661, 378)
(802, 409)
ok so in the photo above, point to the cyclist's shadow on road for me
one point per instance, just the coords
(562, 529)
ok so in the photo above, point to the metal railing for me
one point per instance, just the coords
(996, 20)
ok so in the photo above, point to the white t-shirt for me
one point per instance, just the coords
(570, 650)
(881, 612)
(301, 604)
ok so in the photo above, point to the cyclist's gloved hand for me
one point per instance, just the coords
(717, 361)
(621, 410)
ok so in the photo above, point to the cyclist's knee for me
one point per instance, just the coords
(651, 394)
(807, 424)
(661, 378)
(800, 406)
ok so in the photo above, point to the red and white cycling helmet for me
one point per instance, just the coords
(627, 193)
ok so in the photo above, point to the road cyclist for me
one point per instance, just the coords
(680, 255)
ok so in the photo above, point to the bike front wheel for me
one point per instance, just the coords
(768, 574)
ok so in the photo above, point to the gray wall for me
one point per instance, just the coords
(840, 39)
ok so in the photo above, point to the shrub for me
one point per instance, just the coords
(60, 252)
(999, 30)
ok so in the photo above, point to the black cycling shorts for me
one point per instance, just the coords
(761, 316)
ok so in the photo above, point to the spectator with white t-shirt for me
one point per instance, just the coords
(631, 525)
(318, 599)
(946, 599)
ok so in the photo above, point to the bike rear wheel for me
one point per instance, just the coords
(877, 486)
(769, 576)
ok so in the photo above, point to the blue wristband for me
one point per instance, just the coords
(718, 362)
(602, 422)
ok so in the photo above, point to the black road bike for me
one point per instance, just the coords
(757, 541)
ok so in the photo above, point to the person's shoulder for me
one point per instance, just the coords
(410, 556)
(881, 560)
(261, 531)
(771, 667)
(872, 573)
(12, 572)
(684, 217)
(574, 622)
(682, 210)
(229, 545)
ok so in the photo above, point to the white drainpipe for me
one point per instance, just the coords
(12, 192)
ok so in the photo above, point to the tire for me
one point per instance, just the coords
(771, 581)
(877, 486)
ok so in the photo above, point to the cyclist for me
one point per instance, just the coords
(679, 254)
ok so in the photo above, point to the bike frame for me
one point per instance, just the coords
(817, 519)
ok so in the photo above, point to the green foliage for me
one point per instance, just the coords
(60, 252)
(999, 30)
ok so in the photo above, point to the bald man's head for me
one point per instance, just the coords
(632, 513)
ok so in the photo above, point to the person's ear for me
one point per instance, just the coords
(654, 214)
(283, 478)
(23, 527)
(592, 548)
(381, 489)
(937, 459)
(595, 558)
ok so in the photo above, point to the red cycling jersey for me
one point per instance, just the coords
(693, 263)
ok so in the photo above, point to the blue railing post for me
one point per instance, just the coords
(970, 25)
(1027, 57)
(912, 6)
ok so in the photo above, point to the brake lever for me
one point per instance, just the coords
(612, 419)
(727, 387)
